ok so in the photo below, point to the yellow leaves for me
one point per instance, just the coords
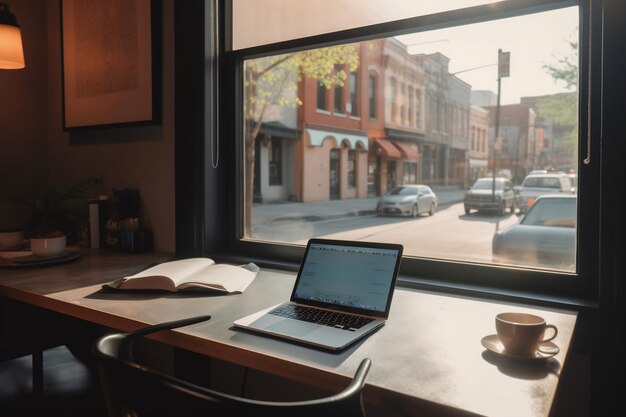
(274, 80)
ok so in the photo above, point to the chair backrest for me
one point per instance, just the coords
(132, 390)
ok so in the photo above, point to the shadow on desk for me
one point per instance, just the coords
(130, 295)
(523, 369)
(279, 347)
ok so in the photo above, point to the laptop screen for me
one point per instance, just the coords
(351, 276)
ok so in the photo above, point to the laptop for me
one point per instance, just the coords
(342, 293)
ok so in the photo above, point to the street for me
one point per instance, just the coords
(448, 234)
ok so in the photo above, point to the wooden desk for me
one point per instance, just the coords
(427, 358)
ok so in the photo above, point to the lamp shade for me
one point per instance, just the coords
(11, 50)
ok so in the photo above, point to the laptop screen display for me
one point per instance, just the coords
(348, 277)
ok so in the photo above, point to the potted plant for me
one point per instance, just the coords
(59, 216)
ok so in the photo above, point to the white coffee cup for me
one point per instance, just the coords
(522, 333)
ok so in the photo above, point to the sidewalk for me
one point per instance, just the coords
(284, 212)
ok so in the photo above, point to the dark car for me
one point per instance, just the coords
(545, 236)
(482, 198)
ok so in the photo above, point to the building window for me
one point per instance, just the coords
(394, 101)
(403, 105)
(351, 168)
(418, 107)
(429, 113)
(372, 96)
(443, 161)
(410, 109)
(354, 99)
(338, 97)
(321, 96)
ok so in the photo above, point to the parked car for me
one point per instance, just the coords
(545, 235)
(481, 197)
(504, 173)
(535, 185)
(573, 178)
(410, 199)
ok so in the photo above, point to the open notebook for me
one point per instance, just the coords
(343, 292)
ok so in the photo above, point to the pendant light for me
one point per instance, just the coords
(11, 51)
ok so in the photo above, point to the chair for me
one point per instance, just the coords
(132, 390)
(40, 374)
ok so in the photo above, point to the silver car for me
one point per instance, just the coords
(411, 199)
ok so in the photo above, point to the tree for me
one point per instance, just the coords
(563, 108)
(272, 82)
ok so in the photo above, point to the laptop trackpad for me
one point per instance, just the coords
(292, 328)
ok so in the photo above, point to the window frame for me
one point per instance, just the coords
(450, 276)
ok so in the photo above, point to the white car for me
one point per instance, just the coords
(536, 185)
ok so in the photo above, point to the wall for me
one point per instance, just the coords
(138, 157)
(35, 152)
(23, 110)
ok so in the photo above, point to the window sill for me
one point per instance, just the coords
(479, 292)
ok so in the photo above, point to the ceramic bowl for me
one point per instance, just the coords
(51, 246)
(11, 238)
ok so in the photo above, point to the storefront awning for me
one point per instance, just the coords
(386, 148)
(279, 130)
(417, 137)
(408, 150)
(318, 136)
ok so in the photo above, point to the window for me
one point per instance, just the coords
(354, 99)
(338, 97)
(410, 110)
(443, 75)
(473, 140)
(394, 98)
(372, 96)
(403, 105)
(321, 96)
(418, 122)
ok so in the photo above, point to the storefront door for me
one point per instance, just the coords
(333, 174)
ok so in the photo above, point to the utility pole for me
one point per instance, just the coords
(504, 64)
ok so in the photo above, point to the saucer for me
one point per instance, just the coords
(27, 258)
(492, 342)
(16, 247)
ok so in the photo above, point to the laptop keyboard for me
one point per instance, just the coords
(334, 319)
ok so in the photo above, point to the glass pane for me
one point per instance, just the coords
(491, 166)
(268, 21)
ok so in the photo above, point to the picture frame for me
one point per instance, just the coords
(111, 63)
